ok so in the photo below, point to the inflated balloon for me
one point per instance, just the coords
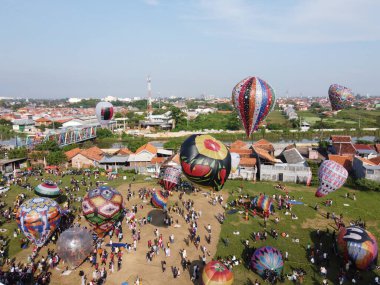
(102, 207)
(160, 199)
(74, 246)
(38, 218)
(171, 178)
(340, 97)
(264, 203)
(331, 176)
(216, 273)
(267, 258)
(48, 189)
(253, 99)
(104, 112)
(235, 160)
(161, 175)
(205, 161)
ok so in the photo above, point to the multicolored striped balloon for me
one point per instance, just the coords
(263, 202)
(171, 177)
(253, 99)
(216, 273)
(340, 97)
(104, 112)
(159, 199)
(331, 176)
(48, 189)
(267, 258)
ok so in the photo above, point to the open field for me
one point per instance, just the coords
(276, 117)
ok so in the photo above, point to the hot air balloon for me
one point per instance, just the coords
(38, 218)
(264, 203)
(331, 176)
(253, 99)
(102, 207)
(340, 97)
(104, 112)
(216, 273)
(267, 258)
(161, 176)
(205, 161)
(160, 199)
(74, 246)
(235, 160)
(48, 189)
(358, 245)
(171, 178)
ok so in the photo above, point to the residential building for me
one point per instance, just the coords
(8, 166)
(85, 158)
(23, 125)
(345, 160)
(365, 150)
(342, 145)
(364, 168)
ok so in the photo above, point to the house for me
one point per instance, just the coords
(43, 122)
(8, 166)
(247, 169)
(242, 152)
(293, 156)
(266, 145)
(263, 156)
(375, 160)
(365, 150)
(23, 125)
(141, 160)
(342, 145)
(344, 160)
(164, 121)
(84, 158)
(297, 173)
(124, 151)
(313, 154)
(114, 162)
(364, 168)
(238, 144)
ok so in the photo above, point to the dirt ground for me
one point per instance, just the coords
(134, 263)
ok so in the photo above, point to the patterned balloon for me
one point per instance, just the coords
(104, 112)
(75, 245)
(253, 99)
(160, 199)
(171, 177)
(48, 189)
(235, 160)
(340, 97)
(331, 176)
(38, 218)
(263, 202)
(161, 175)
(269, 258)
(205, 161)
(102, 207)
(216, 273)
(358, 245)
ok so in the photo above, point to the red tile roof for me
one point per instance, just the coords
(264, 144)
(42, 120)
(158, 160)
(239, 145)
(73, 152)
(147, 147)
(344, 160)
(124, 151)
(375, 160)
(341, 139)
(363, 146)
(344, 148)
(366, 161)
(93, 153)
(247, 162)
(262, 153)
(242, 152)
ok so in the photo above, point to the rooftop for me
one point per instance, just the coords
(341, 139)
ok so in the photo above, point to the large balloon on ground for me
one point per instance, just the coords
(38, 218)
(235, 160)
(340, 97)
(74, 246)
(205, 161)
(331, 176)
(104, 112)
(48, 189)
(267, 258)
(102, 207)
(216, 273)
(263, 202)
(358, 245)
(253, 99)
(171, 178)
(160, 199)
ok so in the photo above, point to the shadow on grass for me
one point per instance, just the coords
(158, 217)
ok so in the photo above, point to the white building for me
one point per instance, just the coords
(74, 100)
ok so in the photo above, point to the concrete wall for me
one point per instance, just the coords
(362, 172)
(246, 173)
(285, 173)
(80, 161)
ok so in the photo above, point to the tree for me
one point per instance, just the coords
(56, 157)
(177, 115)
(295, 123)
(233, 122)
(19, 152)
(50, 145)
(102, 133)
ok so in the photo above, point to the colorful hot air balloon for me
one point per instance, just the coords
(38, 218)
(340, 97)
(358, 245)
(253, 99)
(74, 246)
(267, 258)
(102, 207)
(235, 160)
(160, 199)
(161, 176)
(104, 112)
(264, 203)
(48, 189)
(216, 273)
(171, 178)
(331, 176)
(205, 161)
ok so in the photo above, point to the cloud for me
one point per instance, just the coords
(151, 2)
(291, 21)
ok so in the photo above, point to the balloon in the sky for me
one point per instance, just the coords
(358, 245)
(263, 202)
(267, 258)
(74, 245)
(38, 218)
(235, 160)
(104, 112)
(253, 99)
(340, 97)
(205, 161)
(160, 199)
(331, 176)
(216, 273)
(171, 177)
(102, 207)
(48, 189)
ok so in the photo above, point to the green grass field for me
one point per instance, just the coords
(276, 117)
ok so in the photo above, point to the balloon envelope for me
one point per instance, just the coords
(340, 97)
(216, 273)
(205, 161)
(160, 199)
(74, 246)
(104, 112)
(102, 207)
(264, 203)
(171, 177)
(235, 160)
(331, 176)
(269, 258)
(253, 99)
(48, 189)
(358, 245)
(38, 218)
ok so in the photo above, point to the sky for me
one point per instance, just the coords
(93, 48)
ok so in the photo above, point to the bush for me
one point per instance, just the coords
(363, 184)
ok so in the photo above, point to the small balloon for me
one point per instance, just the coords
(48, 189)
(340, 97)
(331, 176)
(160, 199)
(104, 112)
(171, 178)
